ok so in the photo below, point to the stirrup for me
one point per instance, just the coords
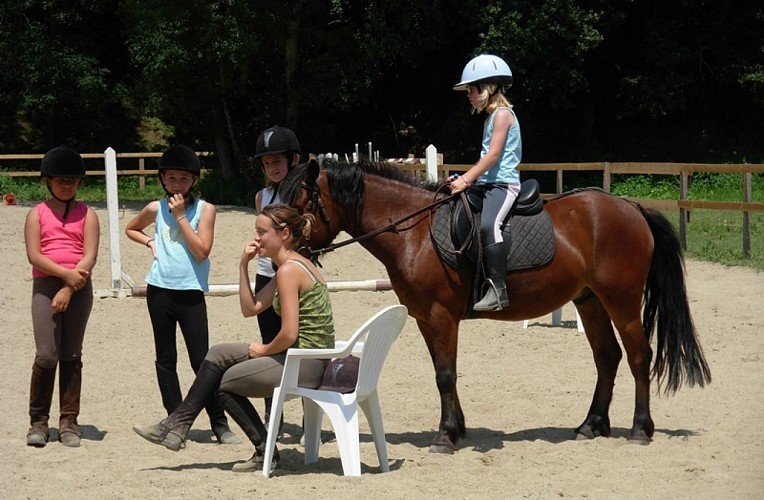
(493, 300)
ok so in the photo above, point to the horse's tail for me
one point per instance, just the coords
(666, 305)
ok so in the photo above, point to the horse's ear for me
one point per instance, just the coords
(313, 170)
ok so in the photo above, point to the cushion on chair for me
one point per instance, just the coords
(341, 375)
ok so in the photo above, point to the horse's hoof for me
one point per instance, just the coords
(442, 450)
(442, 445)
(587, 432)
(593, 427)
(583, 437)
(639, 438)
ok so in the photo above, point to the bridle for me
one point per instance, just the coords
(315, 204)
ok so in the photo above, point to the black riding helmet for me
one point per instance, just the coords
(276, 140)
(62, 162)
(179, 157)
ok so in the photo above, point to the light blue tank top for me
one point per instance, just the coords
(175, 267)
(504, 171)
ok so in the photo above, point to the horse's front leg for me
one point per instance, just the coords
(441, 340)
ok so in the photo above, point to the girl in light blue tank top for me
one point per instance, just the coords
(495, 173)
(184, 230)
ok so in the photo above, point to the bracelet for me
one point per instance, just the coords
(180, 218)
(149, 241)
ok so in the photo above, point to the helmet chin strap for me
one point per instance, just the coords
(186, 195)
(68, 202)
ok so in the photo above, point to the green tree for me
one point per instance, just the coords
(59, 77)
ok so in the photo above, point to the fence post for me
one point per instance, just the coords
(606, 177)
(141, 178)
(684, 178)
(432, 163)
(112, 207)
(747, 198)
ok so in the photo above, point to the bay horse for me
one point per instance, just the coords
(612, 258)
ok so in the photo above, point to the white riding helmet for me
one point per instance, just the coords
(485, 68)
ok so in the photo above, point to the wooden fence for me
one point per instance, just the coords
(608, 169)
(141, 171)
(683, 170)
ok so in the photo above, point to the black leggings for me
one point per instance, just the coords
(167, 310)
(268, 321)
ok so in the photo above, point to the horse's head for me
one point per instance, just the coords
(306, 189)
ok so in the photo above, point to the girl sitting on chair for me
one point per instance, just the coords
(236, 371)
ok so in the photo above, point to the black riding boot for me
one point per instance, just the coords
(176, 426)
(40, 397)
(268, 404)
(219, 423)
(495, 263)
(243, 413)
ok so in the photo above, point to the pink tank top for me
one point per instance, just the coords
(63, 241)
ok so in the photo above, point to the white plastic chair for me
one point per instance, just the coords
(372, 341)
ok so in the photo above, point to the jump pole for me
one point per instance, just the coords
(333, 286)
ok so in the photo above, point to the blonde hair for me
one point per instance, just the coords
(284, 216)
(490, 99)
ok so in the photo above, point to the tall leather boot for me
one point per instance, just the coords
(495, 262)
(268, 404)
(176, 426)
(244, 414)
(219, 423)
(169, 388)
(69, 387)
(40, 397)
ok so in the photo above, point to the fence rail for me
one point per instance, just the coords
(142, 172)
(608, 169)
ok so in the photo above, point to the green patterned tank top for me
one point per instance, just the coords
(316, 323)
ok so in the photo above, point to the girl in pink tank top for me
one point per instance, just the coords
(61, 237)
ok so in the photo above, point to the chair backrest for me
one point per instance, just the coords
(380, 331)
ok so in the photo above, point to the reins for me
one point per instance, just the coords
(392, 227)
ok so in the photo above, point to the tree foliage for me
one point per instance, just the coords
(594, 79)
(60, 80)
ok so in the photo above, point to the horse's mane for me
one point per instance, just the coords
(346, 180)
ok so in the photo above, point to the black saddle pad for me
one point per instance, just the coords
(532, 239)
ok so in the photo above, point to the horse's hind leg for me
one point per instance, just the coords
(607, 354)
(639, 355)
